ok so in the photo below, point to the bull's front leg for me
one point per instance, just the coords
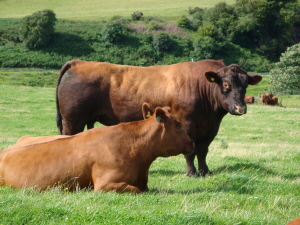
(202, 151)
(121, 187)
(190, 166)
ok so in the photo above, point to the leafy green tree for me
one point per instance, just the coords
(38, 28)
(113, 31)
(184, 22)
(137, 16)
(162, 42)
(205, 47)
(222, 16)
(207, 30)
(285, 76)
(266, 24)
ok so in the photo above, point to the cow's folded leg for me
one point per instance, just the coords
(121, 187)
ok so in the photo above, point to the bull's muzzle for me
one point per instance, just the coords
(239, 109)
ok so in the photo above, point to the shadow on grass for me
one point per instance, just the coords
(164, 172)
(257, 168)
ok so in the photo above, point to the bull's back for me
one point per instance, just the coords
(115, 93)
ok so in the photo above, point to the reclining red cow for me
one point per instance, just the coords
(113, 158)
(268, 99)
(249, 99)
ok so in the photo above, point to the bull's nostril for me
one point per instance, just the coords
(239, 109)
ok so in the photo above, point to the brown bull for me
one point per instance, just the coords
(113, 158)
(199, 93)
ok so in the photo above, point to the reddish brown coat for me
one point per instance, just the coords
(295, 221)
(113, 158)
(199, 93)
(249, 99)
(268, 99)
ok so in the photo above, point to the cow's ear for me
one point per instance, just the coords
(160, 115)
(147, 112)
(212, 77)
(254, 78)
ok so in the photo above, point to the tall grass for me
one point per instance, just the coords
(254, 160)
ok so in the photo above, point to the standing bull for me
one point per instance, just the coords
(199, 93)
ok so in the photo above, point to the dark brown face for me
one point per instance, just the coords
(232, 83)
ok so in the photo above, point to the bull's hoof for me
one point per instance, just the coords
(192, 174)
(204, 174)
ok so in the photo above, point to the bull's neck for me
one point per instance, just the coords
(210, 99)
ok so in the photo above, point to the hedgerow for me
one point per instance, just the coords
(127, 44)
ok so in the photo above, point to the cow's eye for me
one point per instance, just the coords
(226, 85)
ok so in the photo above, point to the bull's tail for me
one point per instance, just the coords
(64, 68)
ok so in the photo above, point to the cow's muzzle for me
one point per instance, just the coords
(239, 109)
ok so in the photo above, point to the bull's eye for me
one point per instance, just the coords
(226, 86)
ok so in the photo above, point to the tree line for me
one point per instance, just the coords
(252, 33)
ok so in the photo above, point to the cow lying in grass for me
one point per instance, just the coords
(268, 99)
(115, 158)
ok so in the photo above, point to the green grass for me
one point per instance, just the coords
(254, 160)
(101, 9)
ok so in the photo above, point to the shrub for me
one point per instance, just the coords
(162, 42)
(38, 28)
(137, 16)
(205, 47)
(285, 78)
(207, 30)
(194, 10)
(113, 31)
(184, 22)
(154, 26)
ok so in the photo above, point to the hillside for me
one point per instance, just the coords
(101, 9)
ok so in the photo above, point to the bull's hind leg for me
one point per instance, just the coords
(72, 127)
(121, 187)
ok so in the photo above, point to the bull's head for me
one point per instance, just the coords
(232, 82)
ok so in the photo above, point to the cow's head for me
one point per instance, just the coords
(173, 140)
(232, 82)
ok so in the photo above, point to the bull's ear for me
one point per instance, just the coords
(147, 112)
(254, 78)
(160, 115)
(212, 77)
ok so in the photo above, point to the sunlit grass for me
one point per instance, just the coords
(100, 9)
(254, 160)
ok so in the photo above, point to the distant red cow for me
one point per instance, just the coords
(249, 99)
(268, 99)
(273, 101)
(109, 158)
(264, 98)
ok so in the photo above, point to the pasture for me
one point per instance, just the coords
(254, 160)
(101, 9)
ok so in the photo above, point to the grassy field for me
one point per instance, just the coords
(101, 9)
(254, 160)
